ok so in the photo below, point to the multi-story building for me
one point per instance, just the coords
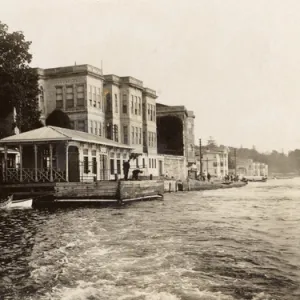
(76, 90)
(214, 161)
(118, 108)
(247, 167)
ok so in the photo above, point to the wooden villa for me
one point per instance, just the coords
(53, 154)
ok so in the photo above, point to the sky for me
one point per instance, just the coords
(235, 63)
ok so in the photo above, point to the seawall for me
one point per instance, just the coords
(171, 185)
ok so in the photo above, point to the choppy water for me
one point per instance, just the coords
(224, 244)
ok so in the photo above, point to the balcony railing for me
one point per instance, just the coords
(27, 175)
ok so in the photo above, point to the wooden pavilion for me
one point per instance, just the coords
(52, 154)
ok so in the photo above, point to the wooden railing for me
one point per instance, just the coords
(26, 175)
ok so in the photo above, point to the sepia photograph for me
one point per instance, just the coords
(149, 150)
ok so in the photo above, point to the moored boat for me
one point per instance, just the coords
(22, 203)
(8, 202)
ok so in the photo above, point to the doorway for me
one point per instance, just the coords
(73, 164)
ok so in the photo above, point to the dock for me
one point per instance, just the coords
(87, 193)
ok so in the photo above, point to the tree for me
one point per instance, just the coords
(18, 82)
(58, 118)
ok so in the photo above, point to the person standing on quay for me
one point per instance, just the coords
(208, 177)
(126, 167)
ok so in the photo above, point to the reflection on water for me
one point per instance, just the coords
(223, 244)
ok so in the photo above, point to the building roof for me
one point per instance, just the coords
(52, 133)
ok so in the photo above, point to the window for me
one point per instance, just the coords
(144, 163)
(108, 102)
(140, 105)
(124, 104)
(70, 97)
(144, 139)
(154, 160)
(109, 131)
(136, 106)
(149, 139)
(116, 132)
(86, 164)
(144, 111)
(125, 134)
(118, 166)
(137, 162)
(112, 166)
(81, 125)
(215, 164)
(116, 103)
(100, 129)
(131, 104)
(59, 97)
(94, 94)
(132, 135)
(94, 162)
(150, 163)
(99, 98)
(90, 94)
(148, 111)
(80, 95)
(91, 126)
(140, 136)
(136, 135)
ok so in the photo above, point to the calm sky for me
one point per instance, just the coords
(236, 63)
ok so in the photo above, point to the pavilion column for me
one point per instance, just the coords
(21, 162)
(35, 163)
(51, 161)
(67, 161)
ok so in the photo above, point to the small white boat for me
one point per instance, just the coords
(8, 202)
(22, 203)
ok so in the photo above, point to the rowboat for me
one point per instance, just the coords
(8, 202)
(22, 203)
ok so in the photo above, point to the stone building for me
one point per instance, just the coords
(118, 108)
(175, 139)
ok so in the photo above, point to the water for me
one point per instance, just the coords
(223, 244)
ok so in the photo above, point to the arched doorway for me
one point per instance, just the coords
(73, 164)
(170, 135)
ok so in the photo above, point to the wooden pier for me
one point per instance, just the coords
(85, 193)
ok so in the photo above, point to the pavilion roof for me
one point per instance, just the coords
(52, 133)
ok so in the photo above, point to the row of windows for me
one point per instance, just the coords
(136, 105)
(97, 128)
(136, 135)
(69, 96)
(95, 100)
(152, 163)
(151, 139)
(151, 112)
(78, 125)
